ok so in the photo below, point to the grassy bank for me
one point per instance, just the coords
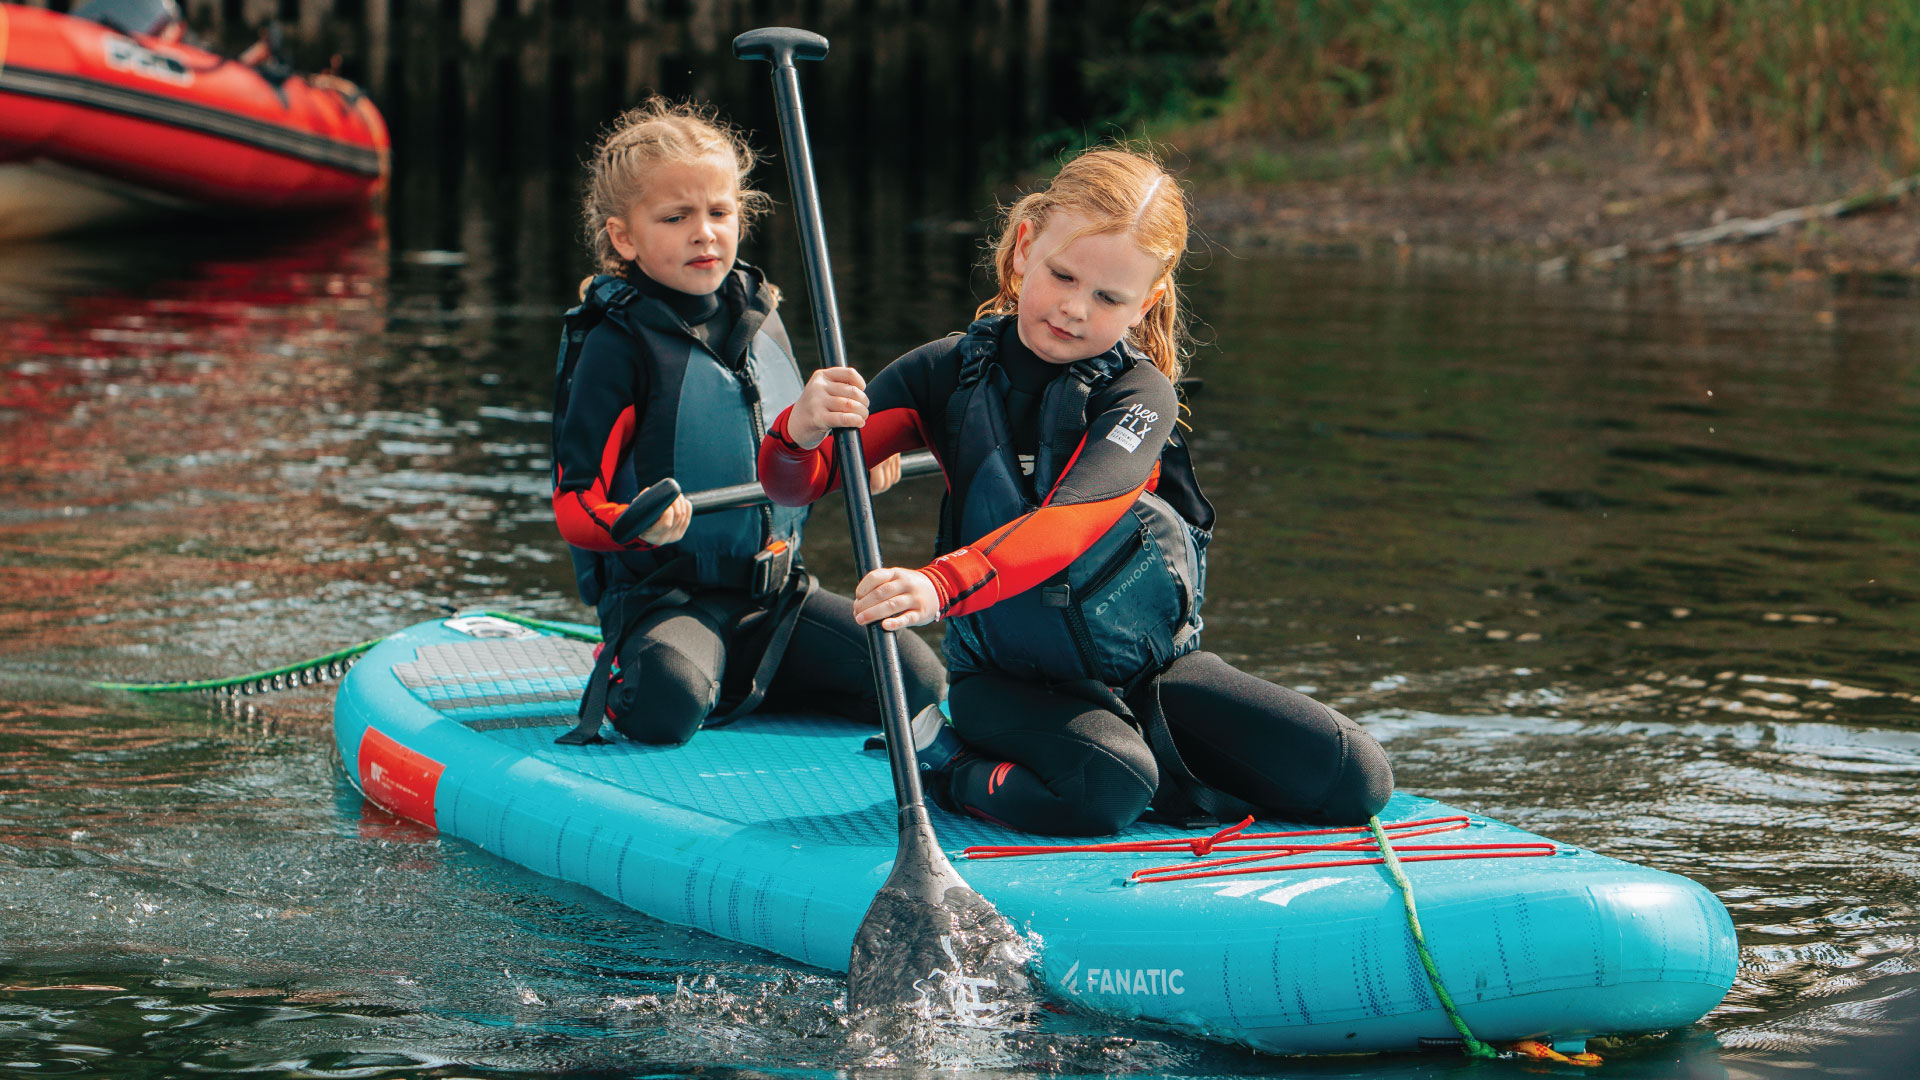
(1450, 80)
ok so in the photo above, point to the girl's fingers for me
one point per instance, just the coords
(672, 524)
(877, 595)
(862, 593)
(876, 590)
(833, 397)
(844, 410)
(894, 596)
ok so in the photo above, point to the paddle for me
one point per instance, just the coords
(925, 918)
(912, 465)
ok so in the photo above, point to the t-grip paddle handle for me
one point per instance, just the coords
(780, 45)
(644, 510)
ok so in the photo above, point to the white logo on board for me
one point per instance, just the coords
(1116, 981)
(1283, 895)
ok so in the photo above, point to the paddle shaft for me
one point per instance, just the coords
(833, 353)
(732, 496)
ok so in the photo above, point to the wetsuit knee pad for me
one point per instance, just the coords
(1086, 772)
(1365, 779)
(1104, 798)
(660, 696)
(1117, 792)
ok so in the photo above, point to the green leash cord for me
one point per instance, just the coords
(1474, 1047)
(561, 629)
(320, 668)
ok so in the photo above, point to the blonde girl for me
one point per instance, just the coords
(668, 369)
(1071, 563)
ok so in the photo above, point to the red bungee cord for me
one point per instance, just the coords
(1244, 856)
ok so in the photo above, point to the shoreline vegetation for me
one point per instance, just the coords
(1573, 134)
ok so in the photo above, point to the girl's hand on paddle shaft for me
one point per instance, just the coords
(899, 596)
(671, 525)
(884, 475)
(835, 397)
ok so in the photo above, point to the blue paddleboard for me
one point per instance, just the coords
(777, 831)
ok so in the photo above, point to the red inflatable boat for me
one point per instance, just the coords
(101, 120)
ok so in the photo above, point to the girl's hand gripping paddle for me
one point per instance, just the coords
(925, 918)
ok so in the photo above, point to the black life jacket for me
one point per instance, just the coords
(1126, 607)
(701, 424)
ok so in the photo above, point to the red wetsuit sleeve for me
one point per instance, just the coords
(1023, 553)
(586, 516)
(1117, 459)
(595, 438)
(796, 477)
(905, 404)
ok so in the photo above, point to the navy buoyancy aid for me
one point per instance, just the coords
(701, 424)
(1127, 606)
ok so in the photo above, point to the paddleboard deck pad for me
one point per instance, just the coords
(778, 830)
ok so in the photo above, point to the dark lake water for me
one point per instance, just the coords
(1630, 562)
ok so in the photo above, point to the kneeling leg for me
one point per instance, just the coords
(1047, 762)
(669, 676)
(1272, 746)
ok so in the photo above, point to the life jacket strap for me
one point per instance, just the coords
(786, 616)
(1065, 421)
(635, 604)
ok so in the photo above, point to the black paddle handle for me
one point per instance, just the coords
(644, 510)
(781, 46)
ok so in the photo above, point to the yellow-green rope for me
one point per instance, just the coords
(1474, 1047)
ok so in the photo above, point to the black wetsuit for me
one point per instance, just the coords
(1044, 758)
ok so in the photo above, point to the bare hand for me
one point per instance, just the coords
(671, 525)
(884, 475)
(900, 597)
(835, 397)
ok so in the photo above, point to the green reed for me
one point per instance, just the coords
(1452, 79)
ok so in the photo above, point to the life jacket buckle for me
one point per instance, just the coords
(772, 565)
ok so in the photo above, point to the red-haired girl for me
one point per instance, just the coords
(1071, 560)
(667, 369)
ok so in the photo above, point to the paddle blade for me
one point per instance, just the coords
(930, 942)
